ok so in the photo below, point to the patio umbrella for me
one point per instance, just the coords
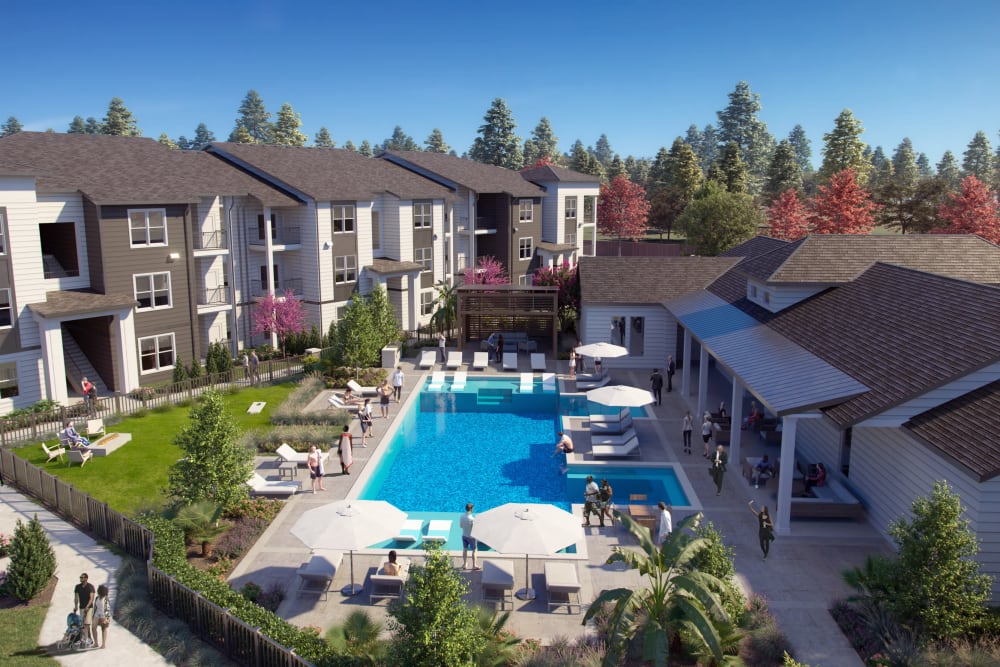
(529, 529)
(602, 350)
(349, 524)
(621, 396)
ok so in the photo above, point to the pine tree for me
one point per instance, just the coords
(738, 123)
(978, 158)
(843, 149)
(680, 178)
(285, 131)
(543, 143)
(578, 157)
(659, 169)
(399, 141)
(77, 126)
(708, 149)
(366, 149)
(435, 142)
(948, 170)
(784, 172)
(323, 139)
(119, 121)
(616, 168)
(497, 143)
(202, 137)
(167, 141)
(349, 146)
(602, 151)
(32, 561)
(638, 170)
(12, 126)
(732, 173)
(881, 170)
(803, 149)
(253, 125)
(93, 126)
(904, 165)
(924, 167)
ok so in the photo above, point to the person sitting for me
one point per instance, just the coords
(76, 440)
(564, 445)
(762, 469)
(598, 366)
(391, 567)
(817, 477)
(349, 396)
(722, 410)
(753, 418)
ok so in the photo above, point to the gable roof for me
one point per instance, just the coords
(329, 174)
(612, 280)
(965, 430)
(549, 172)
(756, 246)
(127, 170)
(478, 177)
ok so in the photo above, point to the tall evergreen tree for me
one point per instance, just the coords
(285, 131)
(435, 142)
(497, 143)
(202, 137)
(978, 158)
(603, 152)
(323, 139)
(708, 149)
(731, 172)
(77, 126)
(924, 167)
(93, 126)
(119, 121)
(803, 148)
(681, 178)
(165, 139)
(253, 125)
(12, 126)
(881, 168)
(542, 143)
(739, 124)
(366, 149)
(638, 169)
(659, 170)
(349, 145)
(843, 149)
(400, 141)
(948, 171)
(616, 168)
(904, 165)
(783, 173)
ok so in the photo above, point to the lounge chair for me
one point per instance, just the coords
(611, 428)
(316, 575)
(438, 530)
(437, 381)
(288, 455)
(64, 440)
(361, 391)
(389, 586)
(95, 428)
(630, 448)
(527, 383)
(616, 417)
(498, 582)
(411, 532)
(337, 403)
(54, 453)
(587, 385)
(458, 382)
(538, 361)
(480, 360)
(265, 487)
(80, 456)
(562, 585)
(510, 361)
(617, 440)
(454, 359)
(548, 381)
(427, 358)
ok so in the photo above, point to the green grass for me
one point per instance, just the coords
(19, 639)
(135, 476)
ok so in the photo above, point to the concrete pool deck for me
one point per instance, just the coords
(801, 578)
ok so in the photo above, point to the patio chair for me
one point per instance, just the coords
(608, 439)
(480, 360)
(316, 575)
(630, 448)
(562, 585)
(611, 428)
(337, 403)
(437, 381)
(95, 428)
(548, 381)
(361, 391)
(454, 359)
(427, 358)
(389, 586)
(438, 530)
(64, 440)
(498, 582)
(80, 456)
(616, 417)
(54, 453)
(538, 361)
(265, 487)
(411, 532)
(288, 455)
(510, 361)
(527, 383)
(458, 382)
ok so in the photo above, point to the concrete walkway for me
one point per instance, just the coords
(75, 553)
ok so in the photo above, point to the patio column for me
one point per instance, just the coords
(736, 415)
(686, 368)
(272, 289)
(54, 364)
(783, 513)
(702, 382)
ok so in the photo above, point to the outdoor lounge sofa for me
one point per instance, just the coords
(833, 500)
(514, 340)
(427, 358)
(316, 575)
(630, 448)
(389, 586)
(562, 585)
(612, 439)
(498, 582)
(265, 487)
(361, 391)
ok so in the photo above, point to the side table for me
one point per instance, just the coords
(288, 469)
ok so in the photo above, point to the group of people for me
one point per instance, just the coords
(94, 608)
(251, 367)
(597, 500)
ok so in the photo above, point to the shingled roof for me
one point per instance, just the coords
(755, 247)
(478, 177)
(613, 280)
(330, 174)
(127, 170)
(965, 430)
(550, 172)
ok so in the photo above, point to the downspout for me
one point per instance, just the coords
(234, 338)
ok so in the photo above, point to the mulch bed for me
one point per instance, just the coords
(43, 598)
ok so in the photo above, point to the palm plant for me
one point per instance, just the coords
(678, 603)
(446, 301)
(359, 637)
(200, 523)
(501, 645)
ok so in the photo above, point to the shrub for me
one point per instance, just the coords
(298, 437)
(4, 545)
(265, 509)
(251, 591)
(240, 537)
(32, 562)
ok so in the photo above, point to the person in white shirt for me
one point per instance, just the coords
(397, 383)
(469, 543)
(666, 523)
(591, 504)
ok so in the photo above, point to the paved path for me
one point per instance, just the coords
(75, 553)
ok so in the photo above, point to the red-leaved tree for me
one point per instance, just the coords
(489, 271)
(564, 277)
(788, 216)
(843, 207)
(279, 315)
(973, 210)
(622, 209)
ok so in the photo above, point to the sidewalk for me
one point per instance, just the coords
(75, 553)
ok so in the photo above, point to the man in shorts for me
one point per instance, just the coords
(468, 541)
(83, 603)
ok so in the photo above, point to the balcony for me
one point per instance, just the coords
(214, 239)
(259, 289)
(213, 300)
(283, 238)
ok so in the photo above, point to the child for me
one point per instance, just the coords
(102, 615)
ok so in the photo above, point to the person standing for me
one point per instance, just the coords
(254, 367)
(89, 394)
(83, 602)
(469, 543)
(315, 465)
(500, 348)
(656, 385)
(246, 367)
(579, 360)
(442, 342)
(719, 468)
(671, 369)
(102, 615)
(665, 525)
(605, 497)
(706, 432)
(591, 493)
(686, 431)
(384, 394)
(397, 383)
(365, 416)
(344, 450)
(572, 363)
(765, 528)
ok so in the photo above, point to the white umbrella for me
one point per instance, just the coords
(528, 529)
(349, 524)
(602, 350)
(621, 396)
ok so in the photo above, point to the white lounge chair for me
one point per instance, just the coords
(337, 403)
(498, 582)
(611, 428)
(437, 381)
(510, 361)
(95, 428)
(630, 448)
(458, 382)
(615, 418)
(548, 381)
(480, 360)
(616, 439)
(265, 487)
(438, 530)
(527, 383)
(427, 358)
(586, 385)
(454, 359)
(316, 575)
(54, 453)
(538, 361)
(80, 456)
(361, 391)
(411, 532)
(288, 455)
(389, 586)
(562, 585)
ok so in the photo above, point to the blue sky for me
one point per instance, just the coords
(640, 71)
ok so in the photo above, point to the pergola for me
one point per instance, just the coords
(483, 309)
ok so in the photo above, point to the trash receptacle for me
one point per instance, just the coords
(390, 356)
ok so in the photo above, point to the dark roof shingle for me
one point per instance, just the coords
(605, 280)
(550, 172)
(478, 177)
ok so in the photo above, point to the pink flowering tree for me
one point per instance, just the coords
(279, 316)
(564, 277)
(489, 271)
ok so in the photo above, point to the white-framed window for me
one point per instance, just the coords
(8, 380)
(424, 256)
(156, 353)
(525, 247)
(343, 218)
(345, 269)
(152, 290)
(526, 281)
(6, 309)
(571, 209)
(526, 210)
(571, 239)
(147, 226)
(427, 303)
(423, 215)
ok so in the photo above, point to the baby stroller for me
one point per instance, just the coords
(74, 637)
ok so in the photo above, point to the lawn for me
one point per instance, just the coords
(134, 477)
(19, 639)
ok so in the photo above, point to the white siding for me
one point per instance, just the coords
(394, 233)
(30, 382)
(659, 335)
(777, 298)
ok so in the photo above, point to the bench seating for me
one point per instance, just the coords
(498, 582)
(316, 575)
(833, 500)
(562, 585)
(515, 340)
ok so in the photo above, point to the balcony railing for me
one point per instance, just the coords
(215, 239)
(217, 296)
(283, 235)
(257, 288)
(485, 223)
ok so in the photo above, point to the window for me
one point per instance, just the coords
(152, 290)
(525, 281)
(524, 248)
(767, 297)
(427, 303)
(753, 291)
(376, 231)
(570, 239)
(422, 215)
(156, 353)
(343, 218)
(148, 226)
(8, 380)
(345, 269)
(262, 230)
(526, 210)
(6, 310)
(3, 232)
(424, 256)
(571, 210)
